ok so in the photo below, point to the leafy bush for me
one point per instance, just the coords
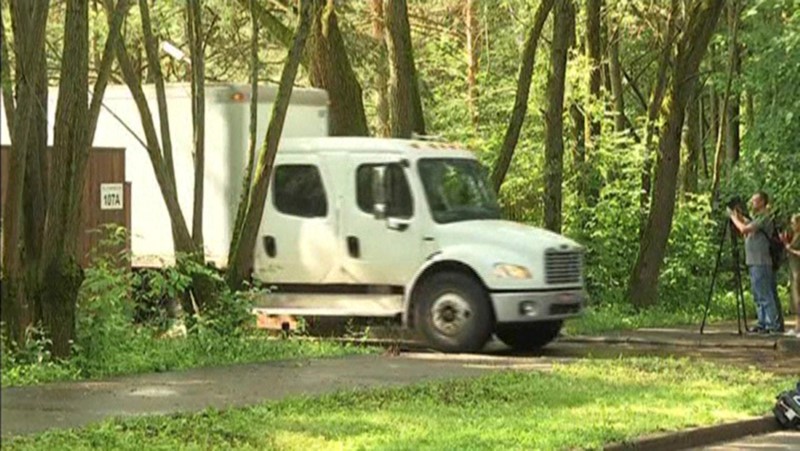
(109, 341)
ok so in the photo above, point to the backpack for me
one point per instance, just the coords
(787, 408)
(777, 250)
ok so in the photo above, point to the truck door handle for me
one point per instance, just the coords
(353, 247)
(269, 246)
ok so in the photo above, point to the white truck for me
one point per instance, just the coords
(410, 229)
(354, 227)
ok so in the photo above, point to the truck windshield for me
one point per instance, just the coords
(457, 189)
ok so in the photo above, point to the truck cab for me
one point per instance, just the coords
(410, 229)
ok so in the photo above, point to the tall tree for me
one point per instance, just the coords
(381, 76)
(472, 28)
(521, 98)
(694, 143)
(593, 45)
(241, 250)
(70, 139)
(160, 152)
(44, 283)
(29, 20)
(615, 77)
(247, 182)
(725, 130)
(330, 69)
(657, 101)
(405, 104)
(692, 46)
(194, 10)
(732, 132)
(328, 64)
(563, 23)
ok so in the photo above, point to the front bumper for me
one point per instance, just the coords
(529, 306)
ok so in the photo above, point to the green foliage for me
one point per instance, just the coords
(32, 363)
(109, 342)
(615, 400)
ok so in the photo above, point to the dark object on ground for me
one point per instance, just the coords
(787, 408)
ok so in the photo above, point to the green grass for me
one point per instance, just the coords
(597, 321)
(145, 353)
(583, 405)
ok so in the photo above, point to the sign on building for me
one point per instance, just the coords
(111, 196)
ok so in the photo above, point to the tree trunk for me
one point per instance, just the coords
(521, 98)
(330, 69)
(615, 76)
(578, 133)
(593, 38)
(105, 67)
(587, 185)
(247, 183)
(381, 78)
(732, 131)
(185, 247)
(655, 105)
(36, 189)
(240, 265)
(405, 105)
(643, 288)
(703, 127)
(694, 143)
(197, 52)
(473, 57)
(62, 274)
(725, 111)
(563, 23)
(29, 23)
(154, 70)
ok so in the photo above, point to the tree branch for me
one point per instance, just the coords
(154, 65)
(197, 47)
(106, 63)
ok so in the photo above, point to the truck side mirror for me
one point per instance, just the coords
(379, 201)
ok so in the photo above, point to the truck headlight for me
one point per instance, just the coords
(509, 271)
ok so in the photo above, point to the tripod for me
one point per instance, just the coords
(741, 318)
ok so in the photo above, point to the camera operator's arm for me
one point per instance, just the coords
(744, 227)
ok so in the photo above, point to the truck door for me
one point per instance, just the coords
(298, 240)
(383, 251)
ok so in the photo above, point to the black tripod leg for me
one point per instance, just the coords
(737, 272)
(714, 277)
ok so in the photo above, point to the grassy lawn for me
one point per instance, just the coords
(582, 405)
(597, 321)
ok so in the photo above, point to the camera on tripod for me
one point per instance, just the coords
(737, 204)
(728, 229)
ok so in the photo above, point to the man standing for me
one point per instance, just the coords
(759, 262)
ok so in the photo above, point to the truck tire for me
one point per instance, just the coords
(453, 313)
(528, 336)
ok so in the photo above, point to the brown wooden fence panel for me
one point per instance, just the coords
(105, 166)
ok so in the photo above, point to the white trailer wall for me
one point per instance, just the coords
(226, 142)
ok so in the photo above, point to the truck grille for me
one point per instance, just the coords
(563, 267)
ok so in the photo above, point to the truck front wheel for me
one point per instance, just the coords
(528, 336)
(453, 313)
